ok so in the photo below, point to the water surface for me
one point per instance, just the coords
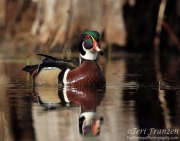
(142, 93)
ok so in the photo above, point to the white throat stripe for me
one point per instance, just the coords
(90, 53)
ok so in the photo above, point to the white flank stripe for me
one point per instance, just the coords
(65, 95)
(49, 68)
(65, 76)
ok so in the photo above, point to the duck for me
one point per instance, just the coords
(84, 72)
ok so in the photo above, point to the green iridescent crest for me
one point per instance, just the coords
(94, 34)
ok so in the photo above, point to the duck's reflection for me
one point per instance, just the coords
(87, 98)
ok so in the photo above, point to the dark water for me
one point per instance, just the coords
(141, 99)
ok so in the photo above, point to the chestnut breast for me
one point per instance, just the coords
(89, 73)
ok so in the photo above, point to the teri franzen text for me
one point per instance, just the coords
(151, 131)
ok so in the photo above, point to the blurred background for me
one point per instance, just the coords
(30, 26)
(141, 66)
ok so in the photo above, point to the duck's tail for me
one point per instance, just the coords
(30, 68)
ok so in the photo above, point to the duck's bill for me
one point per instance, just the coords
(97, 48)
(101, 52)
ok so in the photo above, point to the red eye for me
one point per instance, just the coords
(88, 37)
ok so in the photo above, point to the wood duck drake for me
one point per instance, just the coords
(53, 71)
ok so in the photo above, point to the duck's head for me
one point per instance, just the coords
(89, 45)
(90, 124)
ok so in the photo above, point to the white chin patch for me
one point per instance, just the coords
(90, 53)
